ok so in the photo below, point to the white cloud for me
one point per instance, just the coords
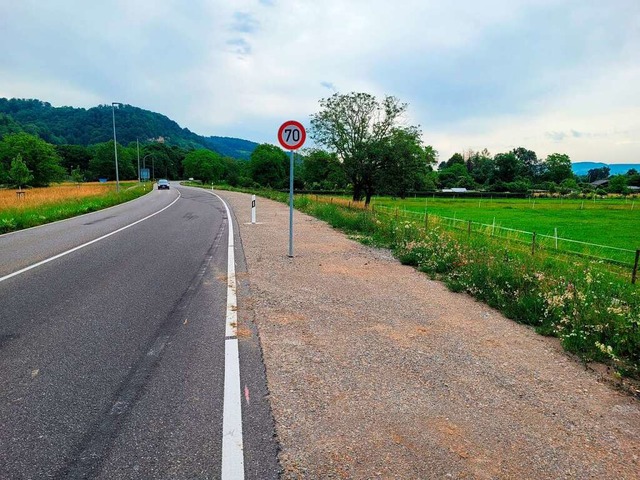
(495, 74)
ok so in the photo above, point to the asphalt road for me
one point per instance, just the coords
(112, 356)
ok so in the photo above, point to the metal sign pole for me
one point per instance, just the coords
(291, 136)
(291, 206)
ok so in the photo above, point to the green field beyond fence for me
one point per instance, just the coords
(604, 229)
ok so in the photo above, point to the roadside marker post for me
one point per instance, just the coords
(291, 136)
(253, 209)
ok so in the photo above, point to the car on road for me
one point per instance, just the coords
(163, 184)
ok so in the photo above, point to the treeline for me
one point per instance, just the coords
(402, 168)
(367, 150)
(520, 170)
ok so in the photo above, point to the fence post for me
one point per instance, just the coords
(634, 275)
(426, 221)
(533, 244)
(469, 229)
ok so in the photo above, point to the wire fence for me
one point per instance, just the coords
(619, 258)
(607, 253)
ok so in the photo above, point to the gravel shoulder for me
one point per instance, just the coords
(375, 371)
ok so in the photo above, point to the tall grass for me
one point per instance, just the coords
(43, 205)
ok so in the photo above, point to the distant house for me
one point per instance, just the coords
(455, 190)
(605, 184)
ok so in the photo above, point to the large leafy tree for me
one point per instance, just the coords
(269, 166)
(40, 157)
(203, 165)
(403, 162)
(482, 167)
(558, 167)
(507, 166)
(529, 164)
(355, 125)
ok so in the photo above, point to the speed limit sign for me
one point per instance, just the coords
(291, 135)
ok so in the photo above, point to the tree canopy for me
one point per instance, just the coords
(203, 165)
(40, 157)
(269, 166)
(358, 128)
(557, 167)
(323, 171)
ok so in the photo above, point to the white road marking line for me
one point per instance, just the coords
(232, 443)
(74, 249)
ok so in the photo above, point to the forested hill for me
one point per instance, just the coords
(79, 126)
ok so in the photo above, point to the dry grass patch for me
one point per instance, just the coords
(37, 197)
(38, 206)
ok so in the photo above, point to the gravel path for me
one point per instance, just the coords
(375, 371)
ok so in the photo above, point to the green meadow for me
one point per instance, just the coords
(611, 222)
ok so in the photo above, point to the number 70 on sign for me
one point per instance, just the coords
(291, 135)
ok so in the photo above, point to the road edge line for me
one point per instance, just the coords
(232, 443)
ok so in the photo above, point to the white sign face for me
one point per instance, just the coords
(291, 135)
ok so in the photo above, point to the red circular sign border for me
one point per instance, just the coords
(303, 137)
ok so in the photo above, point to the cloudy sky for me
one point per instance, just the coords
(550, 75)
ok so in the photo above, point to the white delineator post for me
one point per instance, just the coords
(253, 209)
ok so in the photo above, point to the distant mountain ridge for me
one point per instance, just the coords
(79, 126)
(582, 168)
